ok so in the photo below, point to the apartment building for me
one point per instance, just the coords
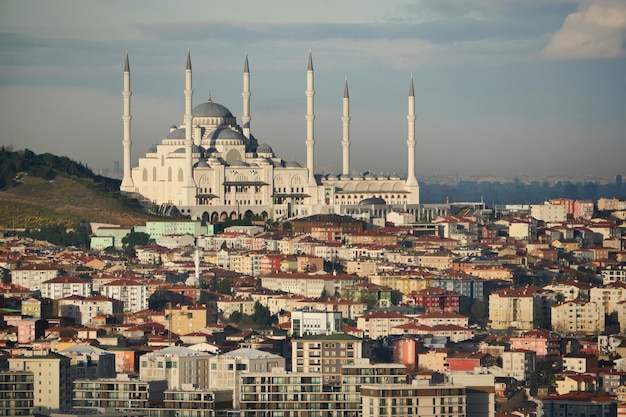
(177, 365)
(17, 393)
(512, 308)
(578, 316)
(311, 322)
(518, 364)
(417, 399)
(226, 369)
(187, 319)
(84, 309)
(64, 286)
(379, 324)
(133, 293)
(122, 392)
(51, 379)
(325, 354)
(90, 362)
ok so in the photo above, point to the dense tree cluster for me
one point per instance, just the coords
(59, 235)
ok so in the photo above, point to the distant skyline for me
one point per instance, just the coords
(502, 87)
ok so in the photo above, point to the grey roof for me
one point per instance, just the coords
(292, 164)
(202, 164)
(226, 133)
(87, 350)
(176, 134)
(264, 148)
(126, 64)
(372, 201)
(250, 354)
(246, 69)
(188, 59)
(345, 89)
(211, 109)
(177, 351)
(310, 67)
(411, 92)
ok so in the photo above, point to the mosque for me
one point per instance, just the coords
(212, 168)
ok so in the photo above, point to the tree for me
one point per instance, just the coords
(262, 314)
(136, 239)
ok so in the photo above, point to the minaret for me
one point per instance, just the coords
(410, 179)
(188, 191)
(310, 117)
(245, 117)
(127, 185)
(345, 142)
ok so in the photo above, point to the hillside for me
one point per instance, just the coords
(46, 190)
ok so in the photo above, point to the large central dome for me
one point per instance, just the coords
(211, 109)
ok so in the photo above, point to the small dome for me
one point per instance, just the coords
(238, 163)
(153, 149)
(292, 164)
(332, 177)
(201, 164)
(394, 176)
(369, 176)
(372, 201)
(194, 149)
(176, 134)
(211, 150)
(211, 109)
(264, 148)
(226, 133)
(179, 150)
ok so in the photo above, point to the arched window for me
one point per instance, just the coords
(144, 175)
(180, 175)
(169, 174)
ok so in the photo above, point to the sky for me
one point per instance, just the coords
(502, 87)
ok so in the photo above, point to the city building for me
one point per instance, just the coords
(51, 379)
(578, 316)
(312, 322)
(177, 365)
(121, 392)
(325, 354)
(17, 393)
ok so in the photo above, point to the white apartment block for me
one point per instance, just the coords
(32, 276)
(312, 322)
(608, 297)
(65, 286)
(226, 369)
(177, 365)
(549, 213)
(614, 273)
(325, 354)
(518, 364)
(134, 294)
(578, 316)
(84, 309)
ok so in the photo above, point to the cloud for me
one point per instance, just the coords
(596, 30)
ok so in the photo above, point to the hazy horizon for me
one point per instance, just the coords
(510, 87)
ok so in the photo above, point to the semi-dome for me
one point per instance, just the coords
(372, 201)
(238, 163)
(211, 109)
(292, 164)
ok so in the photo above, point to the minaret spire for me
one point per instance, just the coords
(245, 117)
(127, 185)
(188, 189)
(411, 180)
(345, 142)
(310, 117)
